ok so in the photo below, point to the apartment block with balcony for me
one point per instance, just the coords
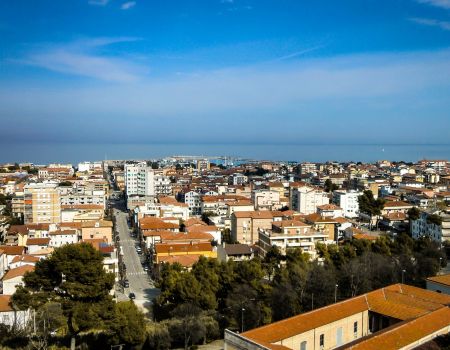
(42, 203)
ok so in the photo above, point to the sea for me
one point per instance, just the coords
(44, 153)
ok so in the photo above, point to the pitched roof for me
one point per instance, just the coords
(152, 223)
(183, 260)
(182, 247)
(396, 204)
(18, 271)
(38, 241)
(441, 279)
(4, 303)
(12, 249)
(254, 214)
(405, 333)
(329, 207)
(399, 301)
(309, 320)
(25, 258)
(238, 249)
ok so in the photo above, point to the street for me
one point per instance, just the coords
(140, 282)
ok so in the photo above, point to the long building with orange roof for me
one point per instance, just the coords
(395, 317)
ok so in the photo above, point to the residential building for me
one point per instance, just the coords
(193, 200)
(330, 210)
(287, 234)
(266, 199)
(245, 225)
(423, 227)
(306, 199)
(235, 252)
(395, 317)
(42, 203)
(11, 317)
(142, 180)
(348, 201)
(14, 278)
(101, 229)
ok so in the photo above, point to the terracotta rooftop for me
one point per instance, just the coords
(441, 279)
(399, 301)
(194, 221)
(406, 333)
(38, 241)
(152, 223)
(4, 303)
(254, 214)
(18, 271)
(25, 258)
(329, 207)
(396, 204)
(12, 249)
(183, 260)
(182, 247)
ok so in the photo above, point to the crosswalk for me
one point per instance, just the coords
(136, 273)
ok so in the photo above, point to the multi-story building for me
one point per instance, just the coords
(424, 227)
(287, 234)
(89, 166)
(306, 199)
(193, 200)
(348, 201)
(42, 203)
(142, 180)
(307, 168)
(245, 224)
(203, 165)
(266, 199)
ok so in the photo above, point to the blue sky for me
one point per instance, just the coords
(225, 71)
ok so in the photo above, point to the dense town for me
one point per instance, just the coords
(253, 254)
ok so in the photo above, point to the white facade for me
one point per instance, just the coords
(89, 166)
(306, 199)
(266, 199)
(438, 233)
(141, 180)
(97, 197)
(60, 238)
(192, 199)
(348, 201)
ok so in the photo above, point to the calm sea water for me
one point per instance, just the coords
(73, 153)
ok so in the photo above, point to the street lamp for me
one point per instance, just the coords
(403, 276)
(242, 320)
(335, 293)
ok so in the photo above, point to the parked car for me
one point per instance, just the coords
(126, 283)
(132, 296)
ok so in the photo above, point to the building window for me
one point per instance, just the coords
(322, 341)
(303, 345)
(355, 327)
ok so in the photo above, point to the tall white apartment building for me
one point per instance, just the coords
(142, 180)
(348, 201)
(89, 166)
(306, 199)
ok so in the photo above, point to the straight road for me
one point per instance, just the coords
(140, 282)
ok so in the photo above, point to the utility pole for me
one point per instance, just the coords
(335, 293)
(403, 277)
(242, 320)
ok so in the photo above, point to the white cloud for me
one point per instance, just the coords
(98, 2)
(128, 5)
(438, 3)
(431, 22)
(81, 58)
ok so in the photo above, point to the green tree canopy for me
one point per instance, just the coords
(73, 275)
